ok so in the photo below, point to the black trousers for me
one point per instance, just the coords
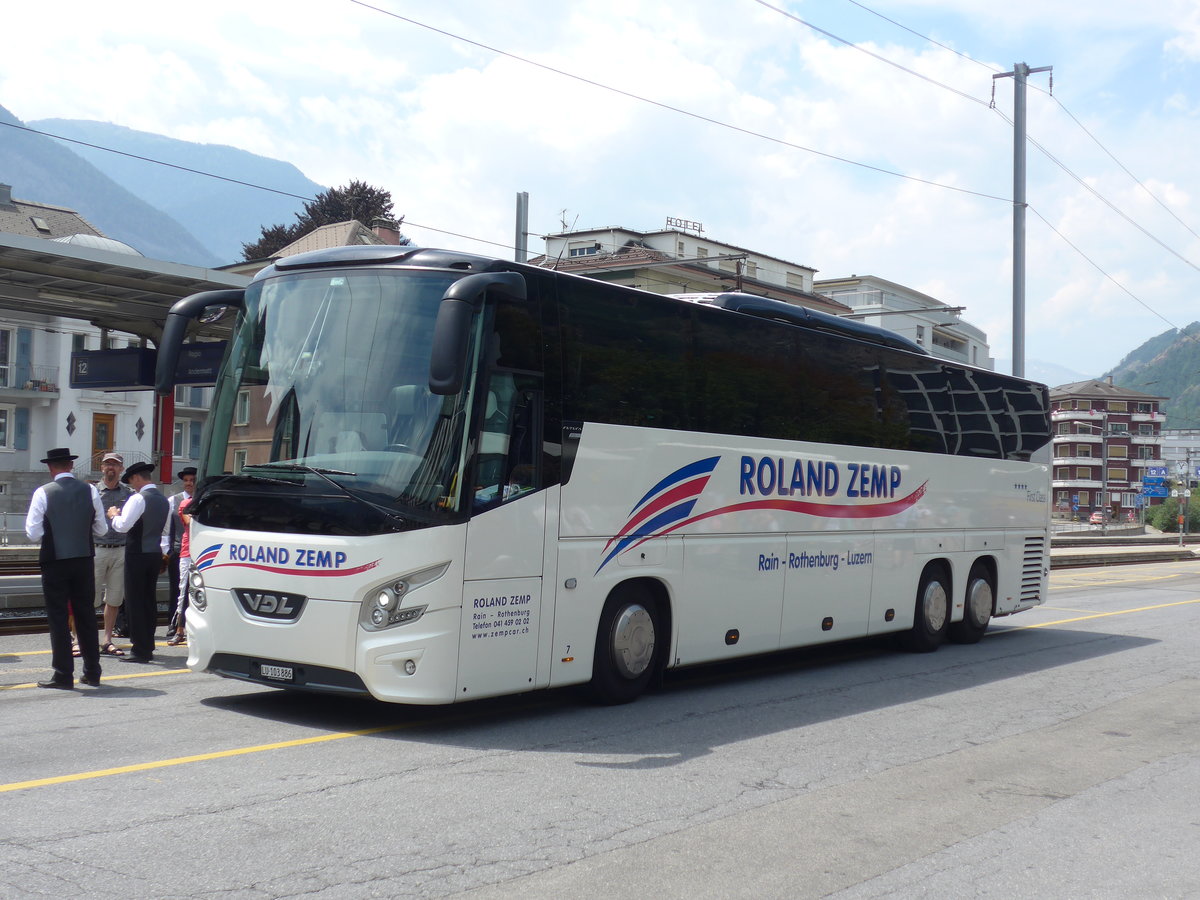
(69, 586)
(141, 600)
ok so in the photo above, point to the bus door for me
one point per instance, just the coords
(502, 593)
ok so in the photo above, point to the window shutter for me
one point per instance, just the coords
(21, 430)
(24, 356)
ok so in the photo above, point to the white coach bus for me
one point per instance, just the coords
(431, 477)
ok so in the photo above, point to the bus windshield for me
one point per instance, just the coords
(323, 418)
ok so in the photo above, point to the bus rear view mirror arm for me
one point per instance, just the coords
(451, 332)
(175, 330)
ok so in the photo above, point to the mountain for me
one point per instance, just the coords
(1048, 373)
(222, 214)
(1167, 365)
(42, 170)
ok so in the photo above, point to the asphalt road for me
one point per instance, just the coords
(1060, 757)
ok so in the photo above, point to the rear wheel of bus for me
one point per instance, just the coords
(977, 611)
(628, 645)
(931, 617)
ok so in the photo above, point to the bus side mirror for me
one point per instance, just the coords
(175, 330)
(452, 330)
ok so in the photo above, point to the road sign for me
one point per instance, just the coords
(1154, 490)
(1156, 472)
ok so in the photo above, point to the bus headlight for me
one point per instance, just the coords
(385, 605)
(196, 594)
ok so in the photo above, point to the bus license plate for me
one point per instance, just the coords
(276, 673)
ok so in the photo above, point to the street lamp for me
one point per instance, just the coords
(1103, 426)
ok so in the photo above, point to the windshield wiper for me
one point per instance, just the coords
(297, 467)
(325, 475)
(256, 479)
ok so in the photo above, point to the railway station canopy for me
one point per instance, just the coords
(113, 290)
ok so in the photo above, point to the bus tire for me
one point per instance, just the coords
(977, 608)
(931, 617)
(628, 645)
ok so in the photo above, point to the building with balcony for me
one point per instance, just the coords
(934, 325)
(1105, 439)
(680, 259)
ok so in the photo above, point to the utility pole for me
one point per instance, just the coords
(522, 239)
(1020, 75)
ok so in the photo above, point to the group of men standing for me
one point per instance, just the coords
(108, 540)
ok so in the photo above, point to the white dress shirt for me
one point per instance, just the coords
(132, 511)
(35, 521)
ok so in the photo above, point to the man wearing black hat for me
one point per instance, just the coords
(187, 475)
(143, 521)
(66, 517)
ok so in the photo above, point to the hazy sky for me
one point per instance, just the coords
(349, 91)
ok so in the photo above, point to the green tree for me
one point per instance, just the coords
(1165, 516)
(356, 200)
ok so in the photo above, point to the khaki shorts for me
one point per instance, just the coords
(110, 576)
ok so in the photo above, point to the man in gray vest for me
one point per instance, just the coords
(110, 550)
(143, 521)
(66, 516)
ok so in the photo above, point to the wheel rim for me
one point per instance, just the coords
(934, 606)
(979, 601)
(633, 641)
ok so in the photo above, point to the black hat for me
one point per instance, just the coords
(59, 454)
(137, 468)
(187, 470)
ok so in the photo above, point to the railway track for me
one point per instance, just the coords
(21, 610)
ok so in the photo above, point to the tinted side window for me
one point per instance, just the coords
(624, 359)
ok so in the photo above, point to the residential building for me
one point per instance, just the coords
(1181, 453)
(681, 260)
(1105, 439)
(925, 320)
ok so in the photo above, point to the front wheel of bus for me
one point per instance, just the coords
(932, 615)
(627, 646)
(978, 610)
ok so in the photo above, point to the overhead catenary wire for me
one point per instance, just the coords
(238, 181)
(668, 107)
(678, 109)
(1095, 193)
(1101, 270)
(924, 37)
(1124, 168)
(861, 49)
(1060, 105)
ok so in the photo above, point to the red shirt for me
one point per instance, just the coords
(184, 548)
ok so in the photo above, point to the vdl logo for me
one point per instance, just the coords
(270, 604)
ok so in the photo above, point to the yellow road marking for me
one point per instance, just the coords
(107, 678)
(1119, 612)
(199, 757)
(1108, 577)
(340, 735)
(48, 652)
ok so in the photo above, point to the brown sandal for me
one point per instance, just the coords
(176, 640)
(111, 649)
